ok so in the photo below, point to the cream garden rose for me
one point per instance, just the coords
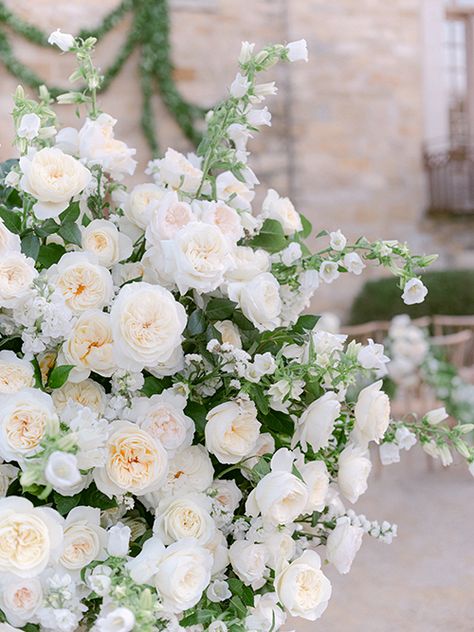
(25, 418)
(103, 239)
(83, 282)
(281, 209)
(178, 172)
(20, 599)
(53, 178)
(168, 217)
(248, 561)
(30, 537)
(302, 587)
(232, 430)
(372, 414)
(87, 393)
(17, 273)
(15, 373)
(135, 461)
(90, 346)
(354, 470)
(247, 263)
(189, 470)
(84, 538)
(142, 201)
(185, 516)
(259, 300)
(316, 424)
(343, 543)
(147, 324)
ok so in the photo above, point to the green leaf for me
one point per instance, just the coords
(152, 386)
(220, 308)
(196, 323)
(30, 245)
(59, 375)
(48, 227)
(271, 237)
(314, 518)
(260, 469)
(237, 605)
(306, 322)
(7, 166)
(70, 215)
(242, 322)
(71, 233)
(92, 497)
(198, 413)
(307, 226)
(64, 504)
(260, 399)
(50, 254)
(11, 219)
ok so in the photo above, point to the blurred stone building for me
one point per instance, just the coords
(372, 135)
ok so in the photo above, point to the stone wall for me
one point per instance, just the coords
(346, 143)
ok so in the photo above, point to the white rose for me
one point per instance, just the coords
(372, 414)
(179, 173)
(118, 540)
(189, 470)
(65, 41)
(249, 562)
(135, 461)
(147, 323)
(82, 281)
(316, 424)
(234, 192)
(414, 292)
(280, 546)
(99, 146)
(53, 178)
(186, 516)
(8, 473)
(247, 264)
(266, 615)
(86, 393)
(219, 550)
(302, 587)
(84, 538)
(315, 475)
(281, 209)
(17, 273)
(30, 537)
(354, 470)
(102, 238)
(89, 346)
(25, 418)
(280, 496)
(184, 572)
(167, 218)
(198, 257)
(224, 217)
(8, 241)
(15, 373)
(63, 474)
(259, 300)
(29, 126)
(232, 431)
(297, 51)
(145, 565)
(226, 494)
(343, 543)
(229, 332)
(142, 201)
(163, 417)
(119, 620)
(20, 599)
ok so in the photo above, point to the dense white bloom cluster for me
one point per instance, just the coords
(184, 438)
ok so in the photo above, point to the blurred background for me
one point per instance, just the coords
(371, 136)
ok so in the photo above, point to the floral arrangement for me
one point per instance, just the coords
(181, 445)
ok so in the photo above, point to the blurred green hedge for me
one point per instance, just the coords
(450, 292)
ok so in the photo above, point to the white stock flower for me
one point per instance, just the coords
(343, 543)
(185, 516)
(282, 209)
(259, 300)
(232, 430)
(297, 51)
(53, 178)
(15, 373)
(247, 263)
(84, 538)
(64, 41)
(280, 496)
(354, 470)
(337, 240)
(29, 126)
(239, 86)
(142, 202)
(17, 273)
(89, 346)
(102, 238)
(302, 587)
(82, 281)
(372, 414)
(119, 620)
(25, 418)
(63, 474)
(147, 324)
(20, 598)
(248, 561)
(118, 540)
(167, 217)
(316, 424)
(135, 461)
(414, 292)
(30, 537)
(353, 263)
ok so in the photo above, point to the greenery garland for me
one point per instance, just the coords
(150, 31)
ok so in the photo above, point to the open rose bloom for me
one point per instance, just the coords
(181, 445)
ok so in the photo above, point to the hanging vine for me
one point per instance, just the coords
(149, 31)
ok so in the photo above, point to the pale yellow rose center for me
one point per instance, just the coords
(308, 588)
(25, 428)
(13, 378)
(132, 462)
(23, 541)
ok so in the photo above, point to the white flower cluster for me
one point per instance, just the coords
(188, 436)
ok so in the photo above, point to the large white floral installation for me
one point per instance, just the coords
(181, 447)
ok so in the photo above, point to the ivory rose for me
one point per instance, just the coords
(147, 324)
(168, 217)
(302, 587)
(142, 201)
(185, 516)
(232, 430)
(84, 538)
(249, 562)
(316, 424)
(281, 209)
(372, 414)
(189, 470)
(17, 273)
(82, 281)
(102, 238)
(15, 373)
(135, 461)
(229, 333)
(224, 217)
(178, 172)
(89, 346)
(86, 393)
(53, 178)
(316, 476)
(20, 598)
(354, 470)
(30, 537)
(247, 264)
(25, 418)
(259, 300)
(343, 543)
